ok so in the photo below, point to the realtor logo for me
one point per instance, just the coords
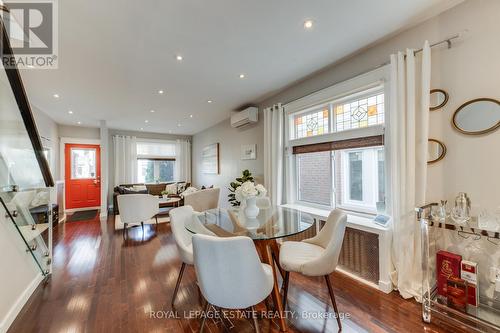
(32, 30)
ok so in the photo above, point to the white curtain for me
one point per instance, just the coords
(273, 152)
(183, 161)
(408, 135)
(125, 159)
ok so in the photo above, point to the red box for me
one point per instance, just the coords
(469, 274)
(447, 265)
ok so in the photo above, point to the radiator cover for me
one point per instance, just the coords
(360, 254)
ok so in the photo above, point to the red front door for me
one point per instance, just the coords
(83, 176)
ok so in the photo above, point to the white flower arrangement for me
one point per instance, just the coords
(248, 190)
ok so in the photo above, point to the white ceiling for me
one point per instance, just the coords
(115, 55)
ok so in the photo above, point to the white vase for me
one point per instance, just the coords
(251, 209)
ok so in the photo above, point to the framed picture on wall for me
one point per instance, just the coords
(210, 159)
(249, 152)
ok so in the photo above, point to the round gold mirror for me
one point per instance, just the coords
(438, 99)
(436, 150)
(478, 116)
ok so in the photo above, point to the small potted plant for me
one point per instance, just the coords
(165, 194)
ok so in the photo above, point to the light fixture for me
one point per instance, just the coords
(79, 122)
(146, 121)
(56, 95)
(179, 57)
(190, 116)
(242, 76)
(209, 101)
(142, 129)
(152, 111)
(308, 24)
(161, 92)
(70, 112)
(179, 125)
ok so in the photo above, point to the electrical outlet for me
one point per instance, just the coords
(494, 274)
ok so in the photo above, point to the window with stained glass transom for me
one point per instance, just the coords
(312, 123)
(363, 112)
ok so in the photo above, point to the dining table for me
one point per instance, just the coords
(273, 223)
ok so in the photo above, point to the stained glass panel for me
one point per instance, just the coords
(312, 123)
(364, 112)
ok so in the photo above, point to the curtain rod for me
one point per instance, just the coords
(447, 41)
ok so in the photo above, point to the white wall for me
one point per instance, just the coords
(49, 133)
(231, 165)
(469, 70)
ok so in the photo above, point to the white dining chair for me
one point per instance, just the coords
(178, 219)
(230, 274)
(137, 208)
(203, 200)
(317, 256)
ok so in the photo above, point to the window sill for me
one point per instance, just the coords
(353, 221)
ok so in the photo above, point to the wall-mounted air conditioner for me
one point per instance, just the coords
(247, 116)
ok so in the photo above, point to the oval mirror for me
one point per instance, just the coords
(438, 99)
(478, 116)
(436, 150)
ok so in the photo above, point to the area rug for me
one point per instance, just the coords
(82, 215)
(161, 219)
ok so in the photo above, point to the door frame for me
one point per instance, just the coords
(62, 165)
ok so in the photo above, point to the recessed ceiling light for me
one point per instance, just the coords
(179, 125)
(242, 76)
(190, 116)
(70, 112)
(161, 92)
(152, 111)
(78, 122)
(308, 24)
(146, 121)
(209, 101)
(56, 95)
(142, 129)
(179, 57)
(30, 66)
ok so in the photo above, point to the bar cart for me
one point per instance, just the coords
(483, 318)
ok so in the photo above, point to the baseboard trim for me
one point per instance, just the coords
(18, 305)
(358, 278)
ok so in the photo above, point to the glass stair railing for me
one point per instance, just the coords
(18, 207)
(26, 184)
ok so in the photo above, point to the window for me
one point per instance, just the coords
(359, 113)
(312, 123)
(361, 181)
(155, 161)
(315, 178)
(360, 110)
(336, 141)
(150, 171)
(83, 163)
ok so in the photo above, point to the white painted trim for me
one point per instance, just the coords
(340, 90)
(18, 305)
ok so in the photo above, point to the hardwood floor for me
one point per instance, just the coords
(103, 283)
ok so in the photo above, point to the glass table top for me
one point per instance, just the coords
(271, 223)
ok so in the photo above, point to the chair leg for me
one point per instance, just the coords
(285, 288)
(156, 218)
(124, 230)
(179, 278)
(204, 317)
(255, 322)
(332, 297)
(142, 226)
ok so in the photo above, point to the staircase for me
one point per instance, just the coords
(25, 179)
